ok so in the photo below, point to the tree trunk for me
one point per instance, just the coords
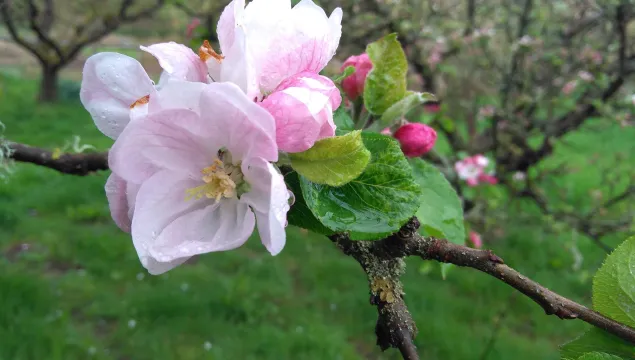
(48, 84)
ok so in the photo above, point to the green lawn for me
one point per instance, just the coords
(71, 286)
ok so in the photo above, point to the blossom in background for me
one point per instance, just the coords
(416, 139)
(299, 126)
(203, 178)
(585, 76)
(475, 239)
(472, 170)
(519, 176)
(386, 131)
(353, 85)
(486, 111)
(189, 31)
(568, 88)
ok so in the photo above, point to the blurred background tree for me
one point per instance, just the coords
(55, 32)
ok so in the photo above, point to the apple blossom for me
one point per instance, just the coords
(204, 177)
(568, 88)
(386, 131)
(116, 88)
(353, 85)
(416, 139)
(585, 75)
(277, 41)
(303, 109)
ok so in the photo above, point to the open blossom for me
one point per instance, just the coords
(472, 170)
(200, 162)
(487, 111)
(354, 84)
(475, 239)
(416, 139)
(303, 109)
(116, 88)
(278, 41)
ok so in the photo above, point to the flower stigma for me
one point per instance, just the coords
(222, 179)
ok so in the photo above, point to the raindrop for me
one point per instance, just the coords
(291, 198)
(132, 323)
(207, 346)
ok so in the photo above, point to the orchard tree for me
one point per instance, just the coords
(254, 137)
(56, 31)
(515, 78)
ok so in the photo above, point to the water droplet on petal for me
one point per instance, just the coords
(291, 198)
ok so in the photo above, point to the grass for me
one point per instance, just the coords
(71, 286)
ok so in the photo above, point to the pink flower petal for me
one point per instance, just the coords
(179, 61)
(116, 192)
(303, 109)
(268, 198)
(161, 142)
(111, 83)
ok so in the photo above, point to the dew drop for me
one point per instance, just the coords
(291, 198)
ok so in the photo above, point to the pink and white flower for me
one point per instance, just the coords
(116, 88)
(279, 41)
(203, 177)
(472, 170)
(303, 108)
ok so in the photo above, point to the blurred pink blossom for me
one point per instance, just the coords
(475, 239)
(386, 131)
(568, 88)
(487, 111)
(472, 170)
(585, 75)
(191, 27)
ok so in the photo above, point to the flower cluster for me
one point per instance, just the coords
(192, 163)
(472, 170)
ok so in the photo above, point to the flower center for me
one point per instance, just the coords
(222, 179)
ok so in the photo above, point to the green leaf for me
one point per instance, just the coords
(346, 73)
(343, 122)
(599, 356)
(376, 203)
(333, 161)
(386, 82)
(299, 215)
(399, 109)
(597, 340)
(440, 211)
(614, 284)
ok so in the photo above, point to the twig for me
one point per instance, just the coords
(73, 164)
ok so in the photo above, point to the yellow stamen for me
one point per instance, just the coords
(141, 101)
(220, 182)
(205, 52)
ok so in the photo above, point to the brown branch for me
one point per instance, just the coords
(383, 263)
(489, 263)
(13, 31)
(39, 32)
(382, 260)
(73, 164)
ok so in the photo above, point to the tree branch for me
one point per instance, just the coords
(73, 164)
(382, 260)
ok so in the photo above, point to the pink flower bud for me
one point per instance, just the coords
(487, 178)
(354, 84)
(416, 139)
(303, 108)
(475, 239)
